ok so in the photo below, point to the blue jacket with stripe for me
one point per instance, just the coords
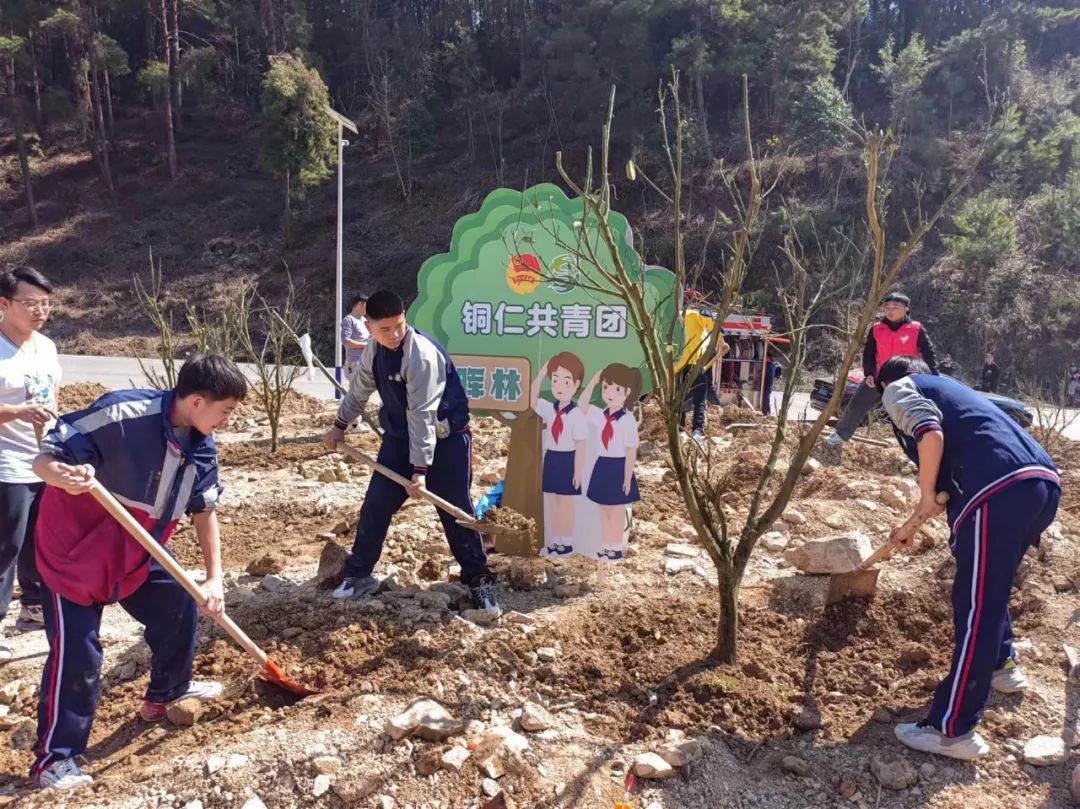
(83, 553)
(985, 450)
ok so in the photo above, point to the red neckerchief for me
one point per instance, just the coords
(557, 425)
(609, 430)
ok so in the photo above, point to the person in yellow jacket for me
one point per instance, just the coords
(698, 324)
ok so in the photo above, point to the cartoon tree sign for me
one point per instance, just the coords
(546, 346)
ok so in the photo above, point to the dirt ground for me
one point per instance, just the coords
(617, 655)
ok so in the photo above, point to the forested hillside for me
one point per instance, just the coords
(190, 126)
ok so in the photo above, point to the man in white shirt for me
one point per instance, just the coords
(355, 334)
(29, 375)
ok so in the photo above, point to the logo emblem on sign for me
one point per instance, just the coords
(523, 273)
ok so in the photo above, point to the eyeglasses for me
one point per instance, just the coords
(35, 304)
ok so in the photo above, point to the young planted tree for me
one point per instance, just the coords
(299, 140)
(152, 298)
(730, 546)
(266, 335)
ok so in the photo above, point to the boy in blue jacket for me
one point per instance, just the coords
(155, 452)
(1003, 493)
(425, 422)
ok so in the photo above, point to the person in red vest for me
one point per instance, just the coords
(895, 335)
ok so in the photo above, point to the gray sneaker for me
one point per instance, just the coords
(356, 587)
(482, 590)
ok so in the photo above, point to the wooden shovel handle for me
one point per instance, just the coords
(434, 499)
(907, 529)
(162, 557)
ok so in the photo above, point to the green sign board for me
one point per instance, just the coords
(512, 287)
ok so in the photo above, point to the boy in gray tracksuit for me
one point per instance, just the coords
(425, 422)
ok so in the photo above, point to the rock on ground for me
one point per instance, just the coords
(796, 765)
(1045, 751)
(427, 719)
(331, 566)
(894, 773)
(652, 766)
(185, 713)
(535, 719)
(266, 564)
(836, 554)
(680, 753)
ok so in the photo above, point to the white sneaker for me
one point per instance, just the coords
(929, 740)
(63, 775)
(356, 587)
(834, 440)
(699, 437)
(1010, 679)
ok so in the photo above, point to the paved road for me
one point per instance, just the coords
(117, 373)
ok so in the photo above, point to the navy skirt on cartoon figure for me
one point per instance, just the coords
(559, 473)
(606, 483)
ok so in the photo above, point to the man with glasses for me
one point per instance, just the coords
(895, 335)
(29, 375)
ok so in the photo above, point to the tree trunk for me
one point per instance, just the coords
(106, 91)
(173, 38)
(700, 93)
(101, 135)
(727, 627)
(20, 142)
(35, 83)
(523, 478)
(170, 124)
(287, 224)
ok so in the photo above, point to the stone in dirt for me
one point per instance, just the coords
(266, 564)
(500, 740)
(185, 713)
(914, 654)
(254, 802)
(681, 753)
(214, 763)
(673, 567)
(273, 584)
(836, 554)
(326, 765)
(774, 541)
(799, 594)
(429, 571)
(454, 758)
(806, 720)
(652, 767)
(427, 719)
(430, 761)
(568, 589)
(893, 773)
(794, 517)
(1062, 584)
(681, 551)
(24, 734)
(321, 786)
(480, 617)
(796, 765)
(433, 600)
(490, 787)
(535, 719)
(1045, 751)
(547, 654)
(331, 566)
(127, 671)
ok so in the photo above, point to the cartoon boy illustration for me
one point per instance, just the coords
(613, 484)
(564, 446)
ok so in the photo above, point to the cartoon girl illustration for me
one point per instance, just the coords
(613, 484)
(564, 447)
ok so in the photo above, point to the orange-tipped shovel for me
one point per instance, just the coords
(862, 581)
(271, 671)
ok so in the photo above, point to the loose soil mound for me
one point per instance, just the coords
(79, 396)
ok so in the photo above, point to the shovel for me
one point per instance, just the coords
(463, 518)
(862, 581)
(271, 671)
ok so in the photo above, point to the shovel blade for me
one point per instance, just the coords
(273, 673)
(857, 584)
(492, 529)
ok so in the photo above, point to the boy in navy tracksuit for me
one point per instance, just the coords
(425, 422)
(1003, 493)
(154, 451)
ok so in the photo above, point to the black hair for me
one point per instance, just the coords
(9, 281)
(384, 304)
(361, 298)
(897, 368)
(212, 376)
(898, 297)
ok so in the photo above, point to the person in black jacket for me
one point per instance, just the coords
(949, 367)
(991, 375)
(895, 335)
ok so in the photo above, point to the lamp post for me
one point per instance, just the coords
(343, 123)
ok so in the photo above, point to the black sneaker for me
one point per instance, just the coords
(608, 553)
(356, 587)
(560, 550)
(483, 594)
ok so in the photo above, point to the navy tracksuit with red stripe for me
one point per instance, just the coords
(1004, 491)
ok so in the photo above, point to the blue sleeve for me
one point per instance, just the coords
(206, 494)
(69, 444)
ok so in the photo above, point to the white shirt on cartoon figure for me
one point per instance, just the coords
(574, 428)
(624, 435)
